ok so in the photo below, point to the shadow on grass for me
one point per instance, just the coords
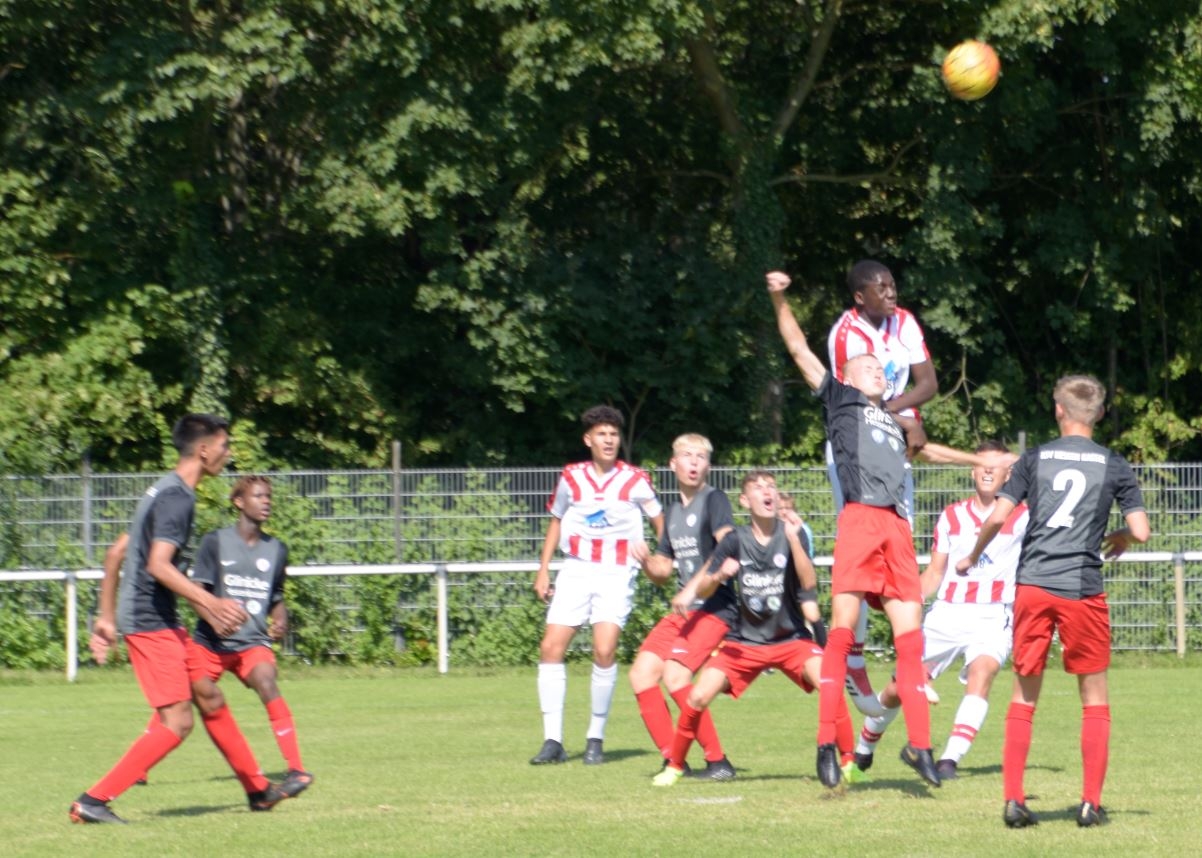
(612, 756)
(196, 810)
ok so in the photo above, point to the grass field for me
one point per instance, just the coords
(412, 763)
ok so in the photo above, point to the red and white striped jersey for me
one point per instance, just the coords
(898, 344)
(602, 516)
(992, 579)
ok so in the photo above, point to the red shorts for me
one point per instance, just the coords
(203, 662)
(874, 555)
(742, 662)
(1083, 624)
(159, 660)
(699, 639)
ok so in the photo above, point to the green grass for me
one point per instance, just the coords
(412, 763)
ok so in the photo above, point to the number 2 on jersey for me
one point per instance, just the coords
(1072, 481)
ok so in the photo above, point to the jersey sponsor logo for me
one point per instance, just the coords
(597, 519)
(1068, 456)
(240, 585)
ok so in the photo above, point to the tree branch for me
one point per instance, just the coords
(800, 91)
(885, 176)
(715, 87)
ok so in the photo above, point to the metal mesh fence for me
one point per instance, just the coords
(455, 515)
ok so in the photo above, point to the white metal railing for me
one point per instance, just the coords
(441, 571)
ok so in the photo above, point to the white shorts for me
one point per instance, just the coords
(953, 630)
(591, 592)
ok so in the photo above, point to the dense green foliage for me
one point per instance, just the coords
(457, 223)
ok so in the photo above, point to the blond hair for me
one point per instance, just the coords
(1081, 397)
(694, 440)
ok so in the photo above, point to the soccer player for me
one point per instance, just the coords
(597, 523)
(243, 563)
(770, 566)
(875, 325)
(146, 614)
(874, 547)
(1070, 484)
(693, 525)
(971, 614)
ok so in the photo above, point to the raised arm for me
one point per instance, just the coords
(812, 369)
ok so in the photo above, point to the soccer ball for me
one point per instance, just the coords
(970, 70)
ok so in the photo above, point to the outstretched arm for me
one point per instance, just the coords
(811, 367)
(1001, 511)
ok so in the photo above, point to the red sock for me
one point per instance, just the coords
(658, 720)
(830, 690)
(223, 730)
(285, 732)
(911, 677)
(154, 744)
(686, 731)
(1095, 751)
(845, 732)
(1015, 749)
(707, 735)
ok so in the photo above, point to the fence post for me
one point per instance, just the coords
(396, 499)
(72, 620)
(86, 500)
(443, 647)
(1179, 599)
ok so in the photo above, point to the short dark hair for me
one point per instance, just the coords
(864, 272)
(242, 485)
(602, 414)
(756, 474)
(192, 427)
(992, 445)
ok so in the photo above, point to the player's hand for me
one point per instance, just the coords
(542, 585)
(963, 565)
(791, 520)
(916, 435)
(104, 635)
(1115, 543)
(728, 569)
(640, 552)
(277, 630)
(683, 601)
(226, 616)
(778, 281)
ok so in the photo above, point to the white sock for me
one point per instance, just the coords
(969, 718)
(875, 727)
(602, 693)
(552, 689)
